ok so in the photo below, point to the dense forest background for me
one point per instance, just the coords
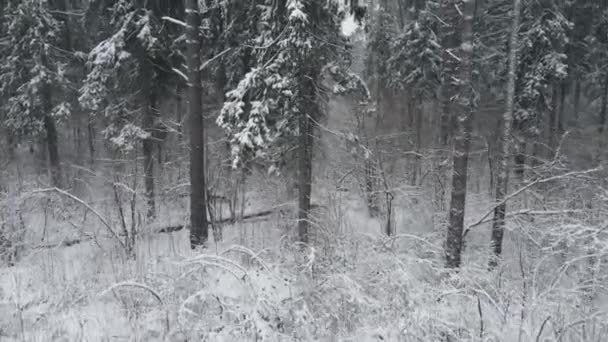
(315, 170)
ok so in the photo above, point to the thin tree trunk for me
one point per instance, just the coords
(79, 185)
(520, 158)
(553, 120)
(561, 123)
(502, 181)
(577, 102)
(462, 140)
(304, 176)
(91, 139)
(445, 117)
(604, 106)
(148, 152)
(199, 232)
(417, 167)
(369, 174)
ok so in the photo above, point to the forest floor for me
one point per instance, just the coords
(351, 284)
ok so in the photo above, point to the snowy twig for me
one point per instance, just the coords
(526, 187)
(136, 285)
(542, 327)
(83, 203)
(174, 21)
(155, 294)
(180, 74)
(410, 236)
(212, 59)
(530, 212)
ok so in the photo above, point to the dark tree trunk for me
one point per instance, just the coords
(604, 106)
(198, 209)
(52, 140)
(561, 120)
(520, 158)
(53, 150)
(577, 102)
(462, 138)
(91, 139)
(552, 129)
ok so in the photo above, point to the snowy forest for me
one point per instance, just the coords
(304, 170)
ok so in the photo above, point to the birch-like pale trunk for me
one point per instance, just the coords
(462, 138)
(198, 209)
(502, 181)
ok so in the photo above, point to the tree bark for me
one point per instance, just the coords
(445, 117)
(91, 139)
(52, 138)
(577, 102)
(199, 232)
(462, 139)
(502, 181)
(561, 120)
(553, 120)
(53, 151)
(148, 152)
(604, 106)
(417, 167)
(304, 175)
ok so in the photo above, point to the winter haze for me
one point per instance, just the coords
(304, 170)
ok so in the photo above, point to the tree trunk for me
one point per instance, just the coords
(445, 117)
(520, 158)
(577, 102)
(417, 167)
(561, 122)
(604, 106)
(553, 120)
(53, 151)
(148, 152)
(198, 209)
(462, 139)
(91, 139)
(52, 138)
(79, 185)
(502, 181)
(304, 176)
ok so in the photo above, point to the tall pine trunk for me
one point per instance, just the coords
(462, 138)
(502, 181)
(198, 209)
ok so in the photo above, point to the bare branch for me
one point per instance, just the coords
(84, 204)
(212, 59)
(174, 21)
(528, 186)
